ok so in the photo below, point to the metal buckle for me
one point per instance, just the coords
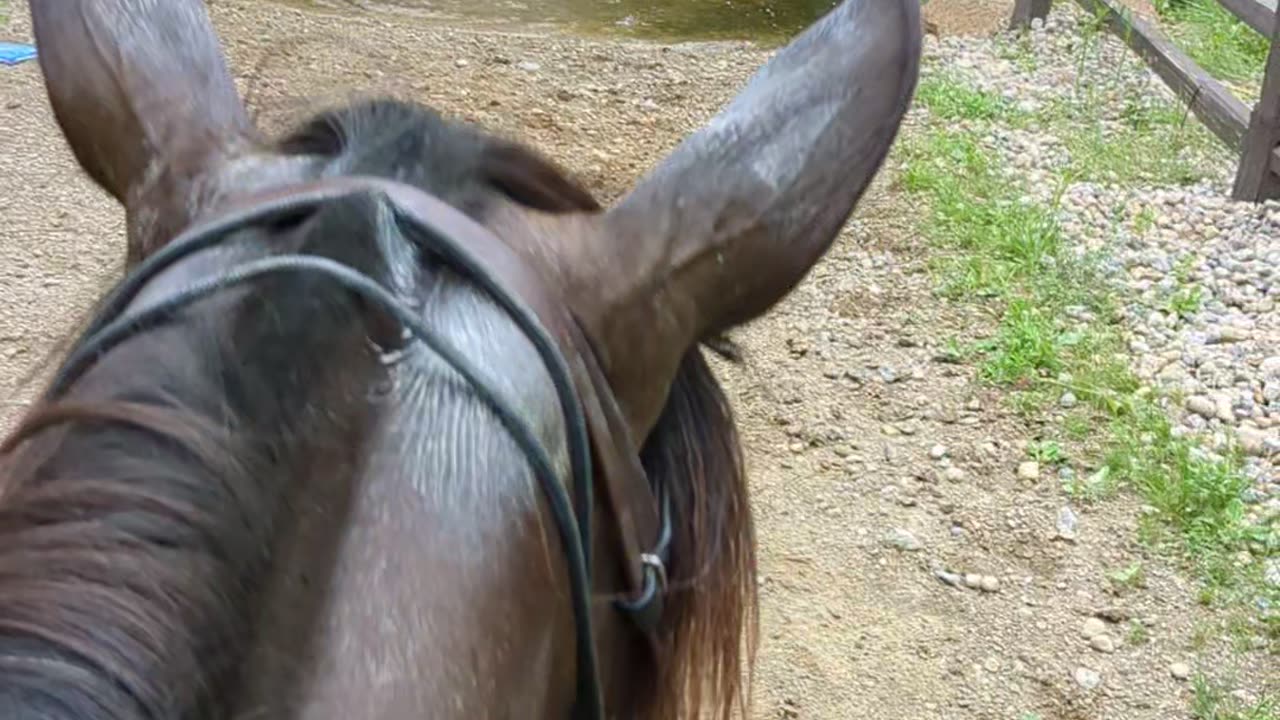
(653, 562)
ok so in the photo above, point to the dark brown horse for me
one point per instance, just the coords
(270, 504)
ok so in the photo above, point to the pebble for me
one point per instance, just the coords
(1029, 470)
(1271, 572)
(902, 540)
(1202, 406)
(1180, 670)
(953, 475)
(950, 578)
(1092, 628)
(1103, 643)
(1086, 678)
(1253, 441)
(937, 452)
(1067, 523)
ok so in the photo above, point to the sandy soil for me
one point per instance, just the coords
(839, 456)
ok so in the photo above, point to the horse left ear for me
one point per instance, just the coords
(143, 95)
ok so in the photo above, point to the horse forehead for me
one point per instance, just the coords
(481, 331)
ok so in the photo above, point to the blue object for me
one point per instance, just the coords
(14, 53)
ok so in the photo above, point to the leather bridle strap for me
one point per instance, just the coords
(444, 231)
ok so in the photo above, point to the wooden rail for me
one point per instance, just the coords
(1254, 134)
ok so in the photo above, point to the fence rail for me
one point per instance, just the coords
(1255, 134)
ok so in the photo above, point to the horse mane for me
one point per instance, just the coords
(138, 511)
(137, 515)
(710, 633)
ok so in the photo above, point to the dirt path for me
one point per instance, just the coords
(873, 463)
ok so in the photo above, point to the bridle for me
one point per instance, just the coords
(594, 423)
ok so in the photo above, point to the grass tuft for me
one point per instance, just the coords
(1213, 702)
(1225, 47)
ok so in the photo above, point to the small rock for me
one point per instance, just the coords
(1086, 678)
(1067, 524)
(902, 540)
(1202, 406)
(1029, 470)
(1180, 670)
(1068, 400)
(990, 583)
(953, 475)
(950, 578)
(1103, 643)
(1092, 628)
(1232, 334)
(887, 374)
(461, 62)
(1252, 441)
(1114, 614)
(937, 452)
(529, 66)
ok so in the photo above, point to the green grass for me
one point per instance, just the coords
(995, 248)
(1151, 141)
(1213, 702)
(1138, 634)
(1225, 47)
(949, 99)
(1131, 577)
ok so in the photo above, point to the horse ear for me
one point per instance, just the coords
(737, 215)
(144, 97)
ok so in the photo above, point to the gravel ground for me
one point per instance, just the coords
(914, 563)
(1198, 270)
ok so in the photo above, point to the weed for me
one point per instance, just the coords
(1185, 301)
(1225, 47)
(1017, 49)
(1144, 221)
(1213, 702)
(1138, 633)
(1046, 452)
(1202, 633)
(1132, 577)
(949, 99)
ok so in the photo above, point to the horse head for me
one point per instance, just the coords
(249, 491)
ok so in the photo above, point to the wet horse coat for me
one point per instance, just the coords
(273, 506)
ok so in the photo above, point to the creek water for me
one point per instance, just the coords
(766, 21)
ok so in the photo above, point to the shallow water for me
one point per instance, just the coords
(768, 21)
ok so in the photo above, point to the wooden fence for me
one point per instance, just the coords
(1255, 135)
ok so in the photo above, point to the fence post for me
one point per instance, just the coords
(1024, 11)
(1255, 180)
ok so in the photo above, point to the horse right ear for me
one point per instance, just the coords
(143, 95)
(740, 212)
